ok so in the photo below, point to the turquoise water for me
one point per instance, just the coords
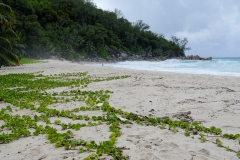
(217, 66)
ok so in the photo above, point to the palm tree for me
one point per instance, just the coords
(6, 36)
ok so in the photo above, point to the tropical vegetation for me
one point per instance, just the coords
(73, 28)
(7, 36)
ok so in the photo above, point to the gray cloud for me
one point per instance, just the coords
(212, 27)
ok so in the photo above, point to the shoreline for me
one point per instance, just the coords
(213, 100)
(101, 64)
(110, 64)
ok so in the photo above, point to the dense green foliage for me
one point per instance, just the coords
(7, 36)
(70, 28)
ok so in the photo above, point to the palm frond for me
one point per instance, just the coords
(5, 43)
(6, 16)
(3, 60)
(8, 56)
(5, 22)
(18, 49)
(6, 10)
(19, 46)
(9, 34)
(6, 35)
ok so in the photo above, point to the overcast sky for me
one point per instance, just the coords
(211, 26)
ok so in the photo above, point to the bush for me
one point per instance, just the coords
(104, 54)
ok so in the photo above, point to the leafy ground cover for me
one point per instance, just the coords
(33, 91)
(29, 61)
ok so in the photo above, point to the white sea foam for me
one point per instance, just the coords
(218, 66)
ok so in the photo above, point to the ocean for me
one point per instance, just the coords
(217, 66)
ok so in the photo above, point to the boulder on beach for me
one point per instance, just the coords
(196, 57)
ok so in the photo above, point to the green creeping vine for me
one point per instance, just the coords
(29, 91)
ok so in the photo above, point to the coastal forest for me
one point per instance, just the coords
(73, 28)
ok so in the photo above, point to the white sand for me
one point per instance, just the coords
(214, 100)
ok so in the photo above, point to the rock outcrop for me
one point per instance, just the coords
(120, 56)
(196, 57)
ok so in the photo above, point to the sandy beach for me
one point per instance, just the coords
(211, 100)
